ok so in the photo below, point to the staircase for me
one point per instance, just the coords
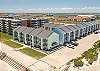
(12, 62)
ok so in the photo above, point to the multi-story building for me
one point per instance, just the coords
(72, 32)
(50, 35)
(38, 22)
(26, 22)
(39, 38)
(7, 25)
(34, 22)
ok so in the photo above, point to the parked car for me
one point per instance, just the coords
(96, 32)
(70, 45)
(74, 43)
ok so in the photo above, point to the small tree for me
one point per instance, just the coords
(78, 62)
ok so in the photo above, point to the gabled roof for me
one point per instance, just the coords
(45, 34)
(85, 24)
(36, 31)
(59, 25)
(21, 29)
(76, 27)
(95, 22)
(71, 27)
(65, 29)
(80, 25)
(49, 25)
(28, 30)
(88, 23)
(92, 23)
(17, 28)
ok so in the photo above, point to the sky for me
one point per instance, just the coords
(35, 4)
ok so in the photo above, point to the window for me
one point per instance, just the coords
(54, 43)
(45, 44)
(45, 40)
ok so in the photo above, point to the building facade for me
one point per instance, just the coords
(50, 36)
(39, 38)
(7, 25)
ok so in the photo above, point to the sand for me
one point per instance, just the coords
(94, 67)
(5, 67)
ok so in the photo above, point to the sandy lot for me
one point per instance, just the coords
(5, 67)
(94, 67)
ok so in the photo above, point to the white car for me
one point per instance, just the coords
(96, 32)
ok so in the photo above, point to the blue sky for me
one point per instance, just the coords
(30, 4)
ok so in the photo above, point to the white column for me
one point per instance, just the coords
(33, 41)
(74, 34)
(42, 43)
(13, 35)
(69, 37)
(18, 36)
(78, 33)
(25, 38)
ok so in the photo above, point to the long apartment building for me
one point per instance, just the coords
(34, 22)
(7, 25)
(72, 32)
(39, 38)
(38, 22)
(49, 35)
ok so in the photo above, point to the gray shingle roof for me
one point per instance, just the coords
(45, 34)
(21, 29)
(59, 25)
(49, 25)
(76, 27)
(27, 30)
(71, 27)
(87, 23)
(37, 31)
(81, 26)
(17, 28)
(65, 29)
(91, 23)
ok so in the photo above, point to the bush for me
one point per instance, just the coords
(78, 62)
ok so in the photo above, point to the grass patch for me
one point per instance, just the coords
(91, 55)
(13, 44)
(32, 53)
(5, 38)
(97, 44)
